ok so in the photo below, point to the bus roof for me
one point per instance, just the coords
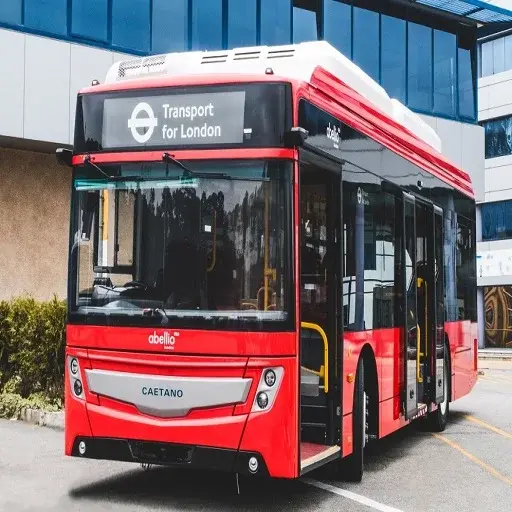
(297, 61)
(303, 62)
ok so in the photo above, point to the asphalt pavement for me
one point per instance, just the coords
(466, 468)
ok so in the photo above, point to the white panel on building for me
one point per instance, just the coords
(12, 54)
(87, 64)
(47, 71)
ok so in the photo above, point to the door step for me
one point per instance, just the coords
(422, 410)
(313, 455)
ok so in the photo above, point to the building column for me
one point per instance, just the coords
(480, 308)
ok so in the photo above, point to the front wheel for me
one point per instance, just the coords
(438, 419)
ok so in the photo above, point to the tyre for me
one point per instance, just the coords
(438, 419)
(352, 467)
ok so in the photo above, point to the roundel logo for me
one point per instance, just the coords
(146, 123)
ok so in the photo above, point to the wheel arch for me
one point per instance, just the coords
(371, 386)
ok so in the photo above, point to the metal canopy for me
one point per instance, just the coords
(480, 12)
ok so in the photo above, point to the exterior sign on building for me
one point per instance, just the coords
(497, 263)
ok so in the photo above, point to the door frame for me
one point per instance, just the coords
(333, 169)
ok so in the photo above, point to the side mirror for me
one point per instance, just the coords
(64, 156)
(295, 137)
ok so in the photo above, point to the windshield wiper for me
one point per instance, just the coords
(87, 160)
(157, 312)
(167, 158)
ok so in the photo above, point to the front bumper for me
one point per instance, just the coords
(169, 454)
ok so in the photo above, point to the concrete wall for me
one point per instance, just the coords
(34, 213)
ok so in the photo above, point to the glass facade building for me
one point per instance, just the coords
(421, 58)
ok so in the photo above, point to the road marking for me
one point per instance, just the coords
(472, 458)
(489, 426)
(350, 495)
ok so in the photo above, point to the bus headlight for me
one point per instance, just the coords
(77, 387)
(262, 400)
(73, 366)
(268, 387)
(270, 378)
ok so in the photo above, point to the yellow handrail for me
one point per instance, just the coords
(319, 330)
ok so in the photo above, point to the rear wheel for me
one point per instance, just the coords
(438, 419)
(352, 467)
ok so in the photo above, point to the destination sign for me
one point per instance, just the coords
(210, 116)
(174, 120)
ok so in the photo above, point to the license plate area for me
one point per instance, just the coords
(161, 453)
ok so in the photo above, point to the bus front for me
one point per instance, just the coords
(182, 336)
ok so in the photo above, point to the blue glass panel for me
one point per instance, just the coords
(89, 19)
(338, 26)
(130, 24)
(276, 22)
(467, 84)
(498, 137)
(487, 58)
(445, 76)
(242, 23)
(419, 61)
(207, 25)
(393, 70)
(304, 25)
(10, 11)
(170, 26)
(47, 15)
(497, 220)
(366, 41)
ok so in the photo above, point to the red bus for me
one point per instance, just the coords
(271, 265)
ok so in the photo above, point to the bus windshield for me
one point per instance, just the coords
(152, 242)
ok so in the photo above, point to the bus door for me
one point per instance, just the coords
(411, 328)
(438, 347)
(320, 340)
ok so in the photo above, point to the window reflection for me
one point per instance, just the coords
(207, 246)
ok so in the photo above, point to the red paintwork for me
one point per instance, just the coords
(206, 154)
(385, 345)
(219, 343)
(274, 433)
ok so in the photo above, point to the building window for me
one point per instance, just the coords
(366, 41)
(419, 59)
(206, 25)
(306, 20)
(496, 220)
(130, 24)
(496, 56)
(163, 40)
(275, 22)
(47, 15)
(242, 23)
(10, 12)
(498, 137)
(393, 57)
(338, 26)
(445, 72)
(467, 75)
(90, 19)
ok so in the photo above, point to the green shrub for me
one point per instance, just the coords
(32, 340)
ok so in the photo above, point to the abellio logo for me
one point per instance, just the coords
(166, 339)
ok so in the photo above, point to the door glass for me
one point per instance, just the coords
(411, 320)
(440, 311)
